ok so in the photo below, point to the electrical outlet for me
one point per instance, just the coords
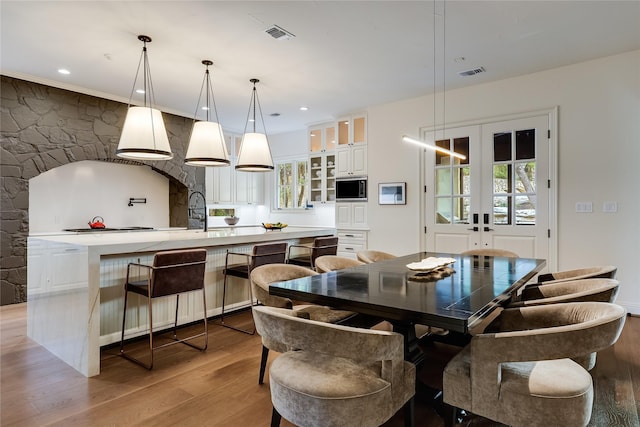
(610, 207)
(584, 207)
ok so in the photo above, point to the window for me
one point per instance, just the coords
(292, 190)
(514, 177)
(453, 188)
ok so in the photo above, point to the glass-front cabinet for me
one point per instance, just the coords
(322, 168)
(322, 162)
(322, 138)
(352, 130)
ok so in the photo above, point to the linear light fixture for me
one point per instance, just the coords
(406, 138)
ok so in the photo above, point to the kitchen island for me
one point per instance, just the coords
(75, 291)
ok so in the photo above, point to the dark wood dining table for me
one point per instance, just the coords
(455, 298)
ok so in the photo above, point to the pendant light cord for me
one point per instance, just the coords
(252, 108)
(444, 69)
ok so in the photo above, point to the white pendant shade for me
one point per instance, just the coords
(206, 145)
(144, 136)
(255, 155)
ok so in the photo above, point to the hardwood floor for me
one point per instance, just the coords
(218, 387)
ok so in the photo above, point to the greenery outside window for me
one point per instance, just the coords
(292, 189)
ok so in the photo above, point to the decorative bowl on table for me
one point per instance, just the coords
(430, 264)
(273, 225)
(231, 220)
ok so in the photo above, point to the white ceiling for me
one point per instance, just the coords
(346, 55)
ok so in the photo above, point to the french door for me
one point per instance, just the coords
(499, 196)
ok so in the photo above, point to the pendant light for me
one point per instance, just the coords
(206, 144)
(255, 154)
(144, 136)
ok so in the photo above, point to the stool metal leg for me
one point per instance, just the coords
(224, 295)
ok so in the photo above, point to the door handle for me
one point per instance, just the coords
(473, 229)
(488, 229)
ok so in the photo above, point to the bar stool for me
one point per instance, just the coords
(327, 245)
(267, 253)
(172, 273)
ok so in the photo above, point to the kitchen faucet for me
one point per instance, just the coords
(202, 217)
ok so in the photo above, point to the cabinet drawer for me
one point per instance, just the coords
(352, 235)
(351, 247)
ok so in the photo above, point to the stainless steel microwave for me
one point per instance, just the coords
(352, 189)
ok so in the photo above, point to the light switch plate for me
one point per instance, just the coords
(610, 207)
(584, 207)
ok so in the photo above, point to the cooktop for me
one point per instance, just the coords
(98, 230)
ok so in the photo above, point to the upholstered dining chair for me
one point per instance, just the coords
(491, 252)
(599, 290)
(369, 256)
(265, 253)
(597, 272)
(335, 375)
(327, 263)
(262, 277)
(327, 245)
(172, 273)
(522, 375)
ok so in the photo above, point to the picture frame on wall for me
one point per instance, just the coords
(392, 193)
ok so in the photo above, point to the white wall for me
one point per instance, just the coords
(69, 196)
(598, 159)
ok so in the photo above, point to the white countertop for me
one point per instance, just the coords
(108, 243)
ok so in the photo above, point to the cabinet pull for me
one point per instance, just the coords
(348, 249)
(349, 235)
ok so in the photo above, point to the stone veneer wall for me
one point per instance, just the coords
(44, 127)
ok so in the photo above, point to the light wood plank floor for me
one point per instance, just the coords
(218, 387)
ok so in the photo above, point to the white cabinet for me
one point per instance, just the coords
(351, 215)
(219, 184)
(249, 188)
(350, 242)
(351, 150)
(322, 138)
(225, 185)
(351, 161)
(322, 182)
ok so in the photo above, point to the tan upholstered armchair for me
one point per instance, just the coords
(491, 252)
(598, 272)
(599, 290)
(262, 277)
(369, 256)
(523, 374)
(338, 375)
(327, 263)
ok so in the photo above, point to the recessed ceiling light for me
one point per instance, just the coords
(139, 91)
(205, 108)
(64, 71)
(304, 108)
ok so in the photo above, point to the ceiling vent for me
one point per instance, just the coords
(471, 72)
(279, 33)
